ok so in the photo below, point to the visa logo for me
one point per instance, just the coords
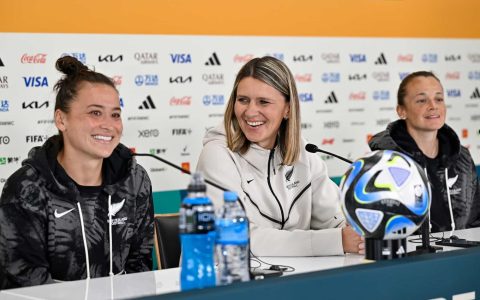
(454, 93)
(181, 58)
(358, 58)
(35, 81)
(305, 97)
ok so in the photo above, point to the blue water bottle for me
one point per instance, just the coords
(232, 242)
(197, 236)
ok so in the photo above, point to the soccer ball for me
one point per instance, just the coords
(385, 195)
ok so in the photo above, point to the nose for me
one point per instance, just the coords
(107, 122)
(251, 109)
(432, 104)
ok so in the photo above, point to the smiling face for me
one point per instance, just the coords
(260, 109)
(424, 107)
(92, 127)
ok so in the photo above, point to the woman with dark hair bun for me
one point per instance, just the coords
(80, 206)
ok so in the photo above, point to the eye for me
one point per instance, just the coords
(440, 99)
(116, 115)
(95, 113)
(242, 100)
(421, 101)
(264, 102)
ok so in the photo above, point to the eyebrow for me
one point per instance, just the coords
(103, 107)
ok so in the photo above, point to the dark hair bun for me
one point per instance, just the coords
(70, 65)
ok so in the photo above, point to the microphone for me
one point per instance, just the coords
(179, 168)
(313, 149)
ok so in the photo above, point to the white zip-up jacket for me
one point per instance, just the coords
(293, 210)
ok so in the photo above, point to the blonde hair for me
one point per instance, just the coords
(277, 75)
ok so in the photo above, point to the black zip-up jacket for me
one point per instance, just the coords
(47, 221)
(453, 161)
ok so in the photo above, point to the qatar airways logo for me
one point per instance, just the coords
(381, 76)
(243, 58)
(331, 58)
(39, 58)
(407, 58)
(307, 77)
(184, 101)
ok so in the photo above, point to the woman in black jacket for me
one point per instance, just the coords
(422, 134)
(80, 206)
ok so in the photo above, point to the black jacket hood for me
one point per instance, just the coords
(43, 158)
(396, 137)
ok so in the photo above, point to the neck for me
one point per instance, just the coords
(86, 173)
(426, 141)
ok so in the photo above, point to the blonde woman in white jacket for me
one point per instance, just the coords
(292, 204)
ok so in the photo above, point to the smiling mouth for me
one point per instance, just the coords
(103, 138)
(254, 124)
(432, 117)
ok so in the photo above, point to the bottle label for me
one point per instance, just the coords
(196, 219)
(232, 232)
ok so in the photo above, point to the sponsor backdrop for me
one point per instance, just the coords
(175, 81)
(173, 89)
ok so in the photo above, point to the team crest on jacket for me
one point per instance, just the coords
(114, 209)
(451, 182)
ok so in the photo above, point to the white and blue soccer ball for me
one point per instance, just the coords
(385, 195)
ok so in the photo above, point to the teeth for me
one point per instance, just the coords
(103, 138)
(254, 124)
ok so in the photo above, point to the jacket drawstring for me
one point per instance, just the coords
(452, 224)
(110, 239)
(84, 240)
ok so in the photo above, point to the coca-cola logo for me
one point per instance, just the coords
(186, 100)
(39, 58)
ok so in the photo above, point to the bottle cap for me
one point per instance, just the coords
(197, 184)
(229, 196)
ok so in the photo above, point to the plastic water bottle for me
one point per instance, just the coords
(197, 236)
(231, 246)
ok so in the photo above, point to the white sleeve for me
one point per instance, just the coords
(326, 212)
(217, 165)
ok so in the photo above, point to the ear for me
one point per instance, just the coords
(59, 117)
(401, 112)
(286, 113)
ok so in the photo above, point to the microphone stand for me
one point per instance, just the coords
(179, 168)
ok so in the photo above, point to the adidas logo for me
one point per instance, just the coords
(331, 98)
(1, 63)
(475, 94)
(147, 104)
(213, 60)
(381, 60)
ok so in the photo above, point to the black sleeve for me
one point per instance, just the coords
(474, 220)
(140, 256)
(23, 237)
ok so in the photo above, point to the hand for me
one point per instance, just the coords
(352, 242)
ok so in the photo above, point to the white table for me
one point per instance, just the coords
(167, 281)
